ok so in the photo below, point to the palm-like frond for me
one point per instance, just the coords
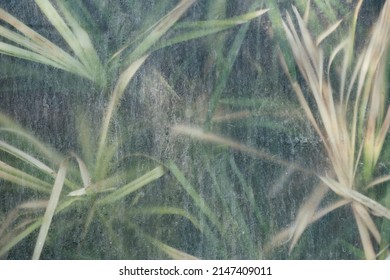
(30, 45)
(353, 122)
(94, 181)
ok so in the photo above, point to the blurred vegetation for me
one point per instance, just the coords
(169, 129)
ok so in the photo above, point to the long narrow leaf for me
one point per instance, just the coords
(367, 220)
(174, 253)
(32, 56)
(327, 32)
(164, 25)
(169, 250)
(21, 178)
(10, 126)
(51, 207)
(306, 213)
(199, 201)
(226, 66)
(378, 181)
(355, 196)
(199, 134)
(25, 157)
(365, 237)
(19, 237)
(162, 210)
(119, 90)
(40, 45)
(192, 30)
(86, 178)
(57, 21)
(285, 235)
(135, 185)
(89, 56)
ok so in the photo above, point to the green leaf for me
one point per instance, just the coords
(38, 48)
(133, 186)
(21, 178)
(51, 207)
(158, 31)
(199, 201)
(25, 157)
(187, 31)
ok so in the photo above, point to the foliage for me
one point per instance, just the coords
(352, 127)
(171, 129)
(101, 180)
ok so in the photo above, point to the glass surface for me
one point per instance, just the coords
(188, 129)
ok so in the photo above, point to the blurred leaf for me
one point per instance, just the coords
(25, 157)
(159, 30)
(197, 198)
(53, 201)
(133, 186)
(192, 30)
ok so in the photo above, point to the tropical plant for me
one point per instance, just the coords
(347, 111)
(100, 179)
(350, 115)
(125, 93)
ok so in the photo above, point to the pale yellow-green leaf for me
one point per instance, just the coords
(25, 157)
(117, 94)
(51, 207)
(133, 186)
(306, 213)
(327, 32)
(364, 237)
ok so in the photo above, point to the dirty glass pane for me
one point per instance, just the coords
(189, 129)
